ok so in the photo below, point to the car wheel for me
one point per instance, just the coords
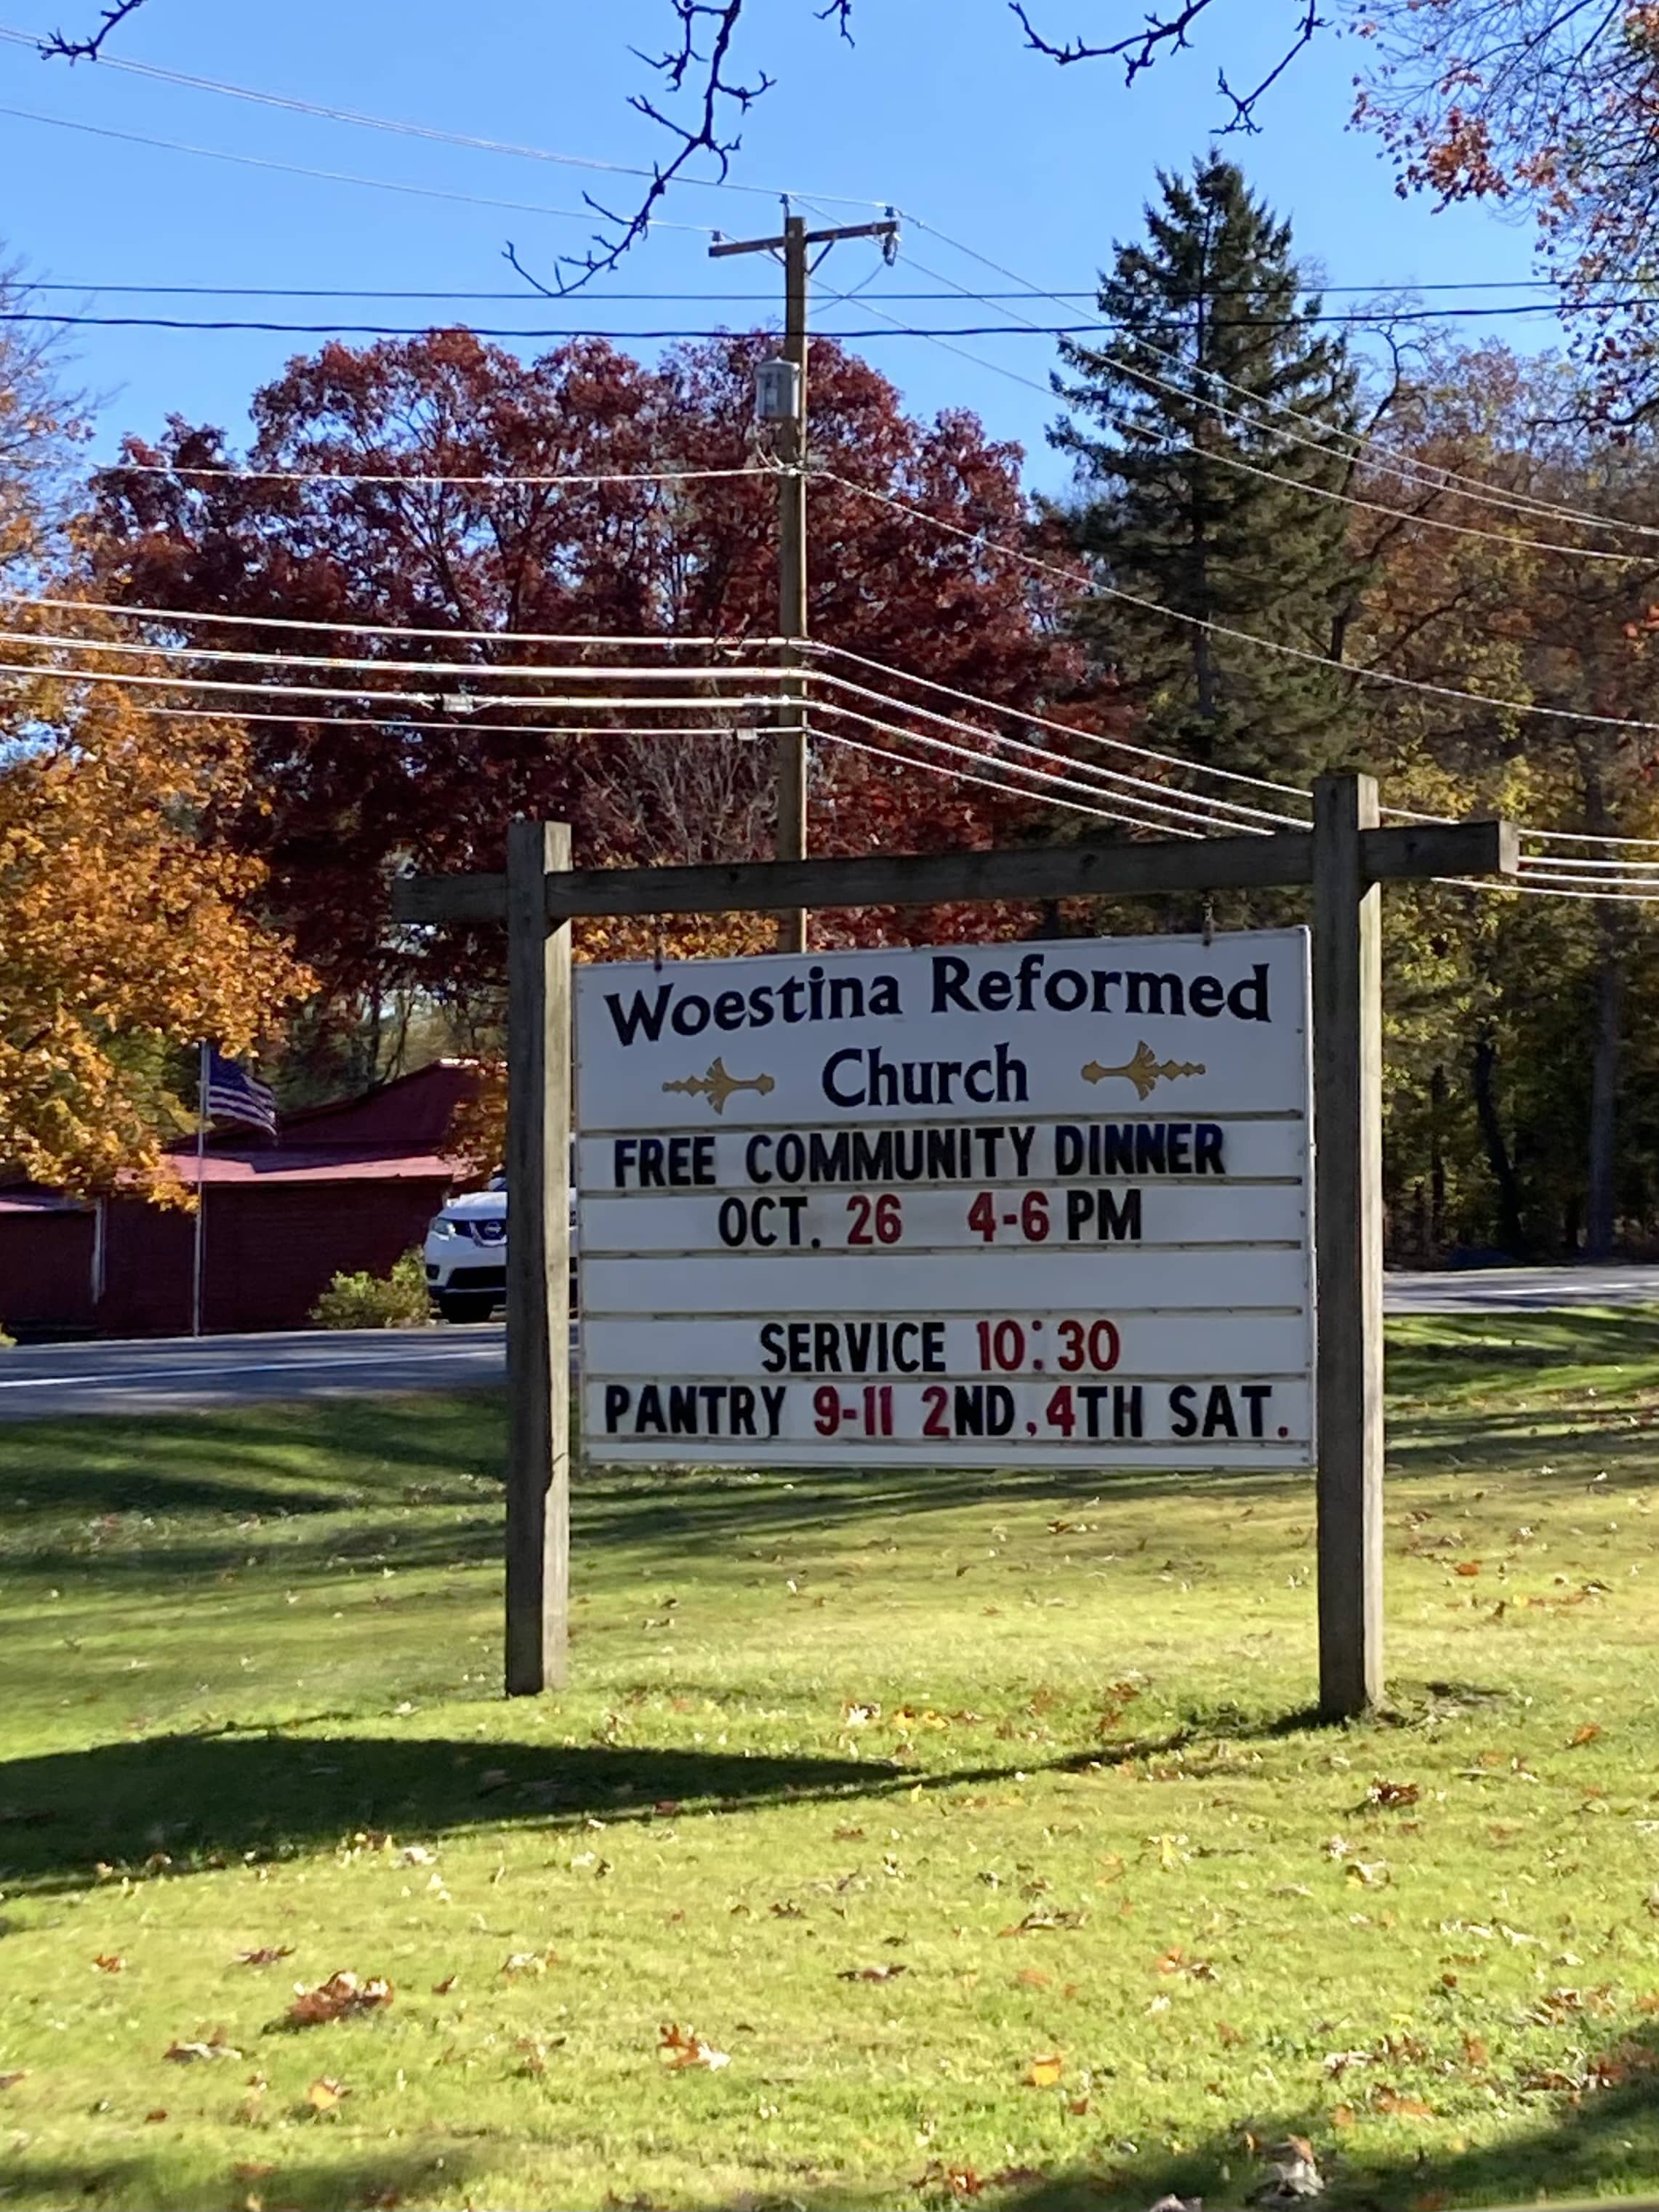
(465, 1306)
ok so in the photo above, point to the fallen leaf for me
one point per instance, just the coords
(252, 2169)
(1384, 2099)
(884, 1973)
(1585, 1734)
(1033, 1978)
(1293, 2176)
(268, 1954)
(1227, 2033)
(1036, 1922)
(10, 2081)
(110, 1962)
(1386, 1796)
(1467, 1567)
(960, 2180)
(529, 1962)
(1475, 2053)
(324, 2094)
(1176, 1961)
(342, 1997)
(1373, 1876)
(443, 1989)
(1342, 2116)
(186, 2054)
(850, 1835)
(1043, 2073)
(680, 2047)
(154, 2119)
(1076, 2106)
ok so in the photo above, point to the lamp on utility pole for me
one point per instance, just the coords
(781, 399)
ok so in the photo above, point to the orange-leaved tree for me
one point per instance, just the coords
(126, 926)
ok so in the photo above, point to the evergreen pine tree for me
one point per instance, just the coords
(1214, 334)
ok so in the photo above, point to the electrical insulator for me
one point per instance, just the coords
(777, 392)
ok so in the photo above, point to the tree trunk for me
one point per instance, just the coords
(1511, 1233)
(1437, 1162)
(1600, 1206)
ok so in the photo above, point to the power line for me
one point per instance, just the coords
(1039, 776)
(226, 323)
(967, 775)
(945, 288)
(235, 473)
(1407, 468)
(1250, 819)
(1046, 722)
(496, 670)
(661, 641)
(399, 128)
(1241, 636)
(47, 671)
(323, 176)
(1273, 475)
(1124, 788)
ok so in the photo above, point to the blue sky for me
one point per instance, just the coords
(937, 109)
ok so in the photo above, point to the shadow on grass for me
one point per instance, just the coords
(203, 1800)
(1597, 2141)
(266, 1459)
(300, 2181)
(1462, 1355)
(181, 1804)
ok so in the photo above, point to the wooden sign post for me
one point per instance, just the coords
(1345, 858)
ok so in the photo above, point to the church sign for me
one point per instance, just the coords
(1013, 1205)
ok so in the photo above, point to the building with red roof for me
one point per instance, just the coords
(344, 1188)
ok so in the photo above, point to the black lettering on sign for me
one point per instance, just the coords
(694, 1409)
(1103, 1217)
(663, 1162)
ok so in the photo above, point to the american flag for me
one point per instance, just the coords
(230, 1094)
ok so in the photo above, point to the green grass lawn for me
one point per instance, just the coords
(978, 1818)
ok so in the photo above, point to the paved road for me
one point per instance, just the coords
(161, 1376)
(1522, 1290)
(164, 1375)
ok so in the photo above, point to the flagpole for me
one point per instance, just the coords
(201, 1187)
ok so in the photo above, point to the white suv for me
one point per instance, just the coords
(466, 1253)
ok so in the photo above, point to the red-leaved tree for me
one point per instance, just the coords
(344, 804)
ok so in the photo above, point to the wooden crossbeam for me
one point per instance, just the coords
(1053, 871)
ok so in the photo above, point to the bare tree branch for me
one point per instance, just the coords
(59, 47)
(1244, 104)
(1156, 36)
(717, 94)
(704, 97)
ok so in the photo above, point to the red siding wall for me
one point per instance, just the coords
(271, 1249)
(45, 1268)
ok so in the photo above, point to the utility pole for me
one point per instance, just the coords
(794, 249)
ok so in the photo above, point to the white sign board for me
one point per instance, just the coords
(1024, 1204)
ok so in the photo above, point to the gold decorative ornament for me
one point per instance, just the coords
(717, 1085)
(1145, 1071)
